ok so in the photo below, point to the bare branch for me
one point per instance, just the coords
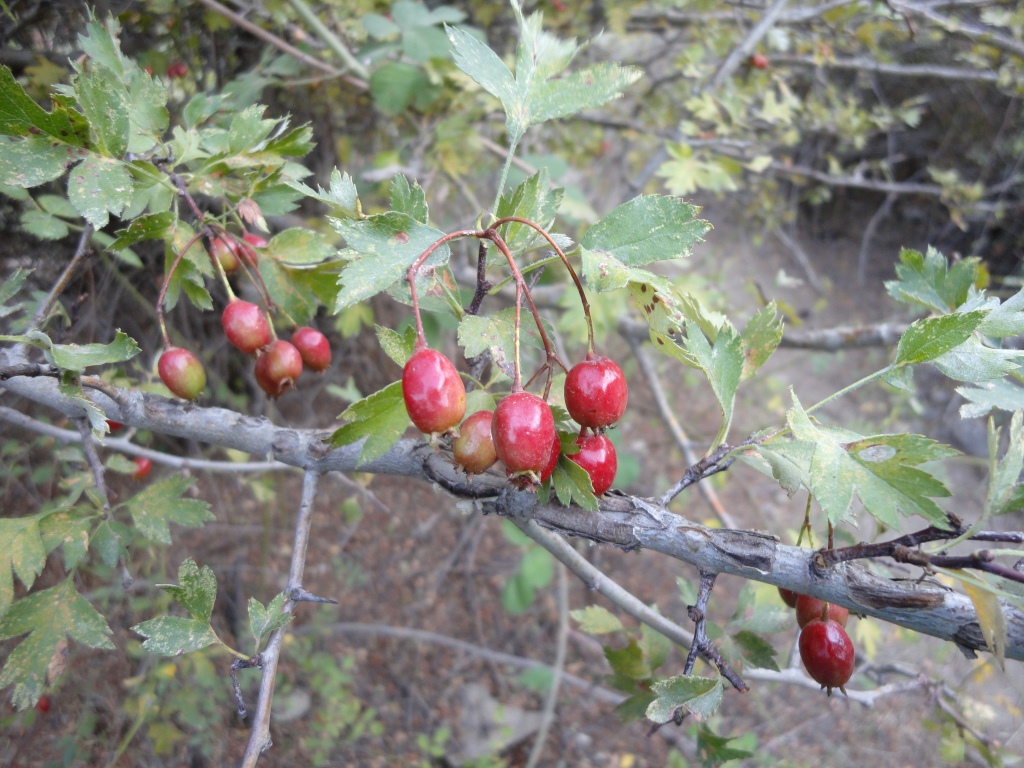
(81, 251)
(984, 35)
(844, 337)
(895, 70)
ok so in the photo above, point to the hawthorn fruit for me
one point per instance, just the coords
(523, 431)
(827, 653)
(143, 467)
(759, 61)
(809, 608)
(246, 326)
(597, 457)
(182, 373)
(473, 449)
(314, 348)
(277, 367)
(788, 597)
(596, 392)
(434, 394)
(224, 249)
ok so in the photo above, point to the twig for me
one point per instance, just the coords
(332, 40)
(703, 469)
(259, 738)
(81, 250)
(701, 644)
(844, 337)
(980, 34)
(894, 70)
(28, 369)
(801, 257)
(869, 234)
(551, 700)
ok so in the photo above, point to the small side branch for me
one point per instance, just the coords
(81, 251)
(701, 644)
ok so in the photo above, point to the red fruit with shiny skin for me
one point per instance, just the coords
(596, 392)
(788, 597)
(597, 456)
(113, 426)
(809, 608)
(225, 250)
(827, 653)
(182, 373)
(257, 241)
(523, 430)
(43, 705)
(277, 367)
(549, 468)
(434, 394)
(143, 467)
(314, 348)
(759, 61)
(246, 326)
(473, 449)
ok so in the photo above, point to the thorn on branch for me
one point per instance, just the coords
(300, 595)
(701, 645)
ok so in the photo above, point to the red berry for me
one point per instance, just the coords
(759, 61)
(255, 240)
(473, 449)
(182, 373)
(43, 705)
(549, 468)
(314, 348)
(143, 467)
(597, 456)
(434, 394)
(113, 426)
(788, 597)
(827, 653)
(225, 250)
(809, 608)
(176, 70)
(596, 392)
(246, 326)
(277, 367)
(523, 430)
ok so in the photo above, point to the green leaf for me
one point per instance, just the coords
(648, 228)
(23, 552)
(533, 200)
(70, 530)
(48, 616)
(293, 296)
(573, 485)
(496, 332)
(43, 225)
(196, 590)
(262, 620)
(381, 418)
(341, 196)
(109, 539)
(150, 226)
(173, 635)
(1007, 319)
(655, 646)
(721, 364)
(159, 504)
(299, 245)
(249, 130)
(701, 696)
(975, 363)
(629, 661)
(756, 650)
(882, 470)
(929, 282)
(482, 64)
(21, 116)
(714, 750)
(585, 89)
(106, 106)
(398, 346)
(537, 567)
(409, 199)
(1003, 489)
(933, 337)
(14, 282)
(101, 44)
(389, 243)
(78, 357)
(1005, 395)
(397, 84)
(760, 338)
(595, 620)
(98, 187)
(27, 163)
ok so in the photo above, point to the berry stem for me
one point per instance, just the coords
(167, 282)
(410, 276)
(565, 261)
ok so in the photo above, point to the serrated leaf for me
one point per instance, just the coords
(533, 200)
(409, 199)
(263, 621)
(496, 332)
(722, 364)
(43, 225)
(341, 195)
(389, 244)
(98, 187)
(974, 363)
(381, 418)
(482, 64)
(991, 619)
(27, 163)
(196, 590)
(173, 635)
(100, 42)
(69, 530)
(928, 280)
(49, 617)
(1003, 489)
(648, 228)
(655, 646)
(249, 129)
(595, 620)
(882, 470)
(587, 88)
(78, 357)
(1005, 320)
(756, 650)
(398, 346)
(760, 338)
(109, 539)
(14, 282)
(106, 105)
(713, 750)
(790, 462)
(573, 485)
(23, 553)
(629, 661)
(159, 504)
(299, 245)
(21, 116)
(933, 337)
(150, 226)
(396, 84)
(701, 696)
(292, 295)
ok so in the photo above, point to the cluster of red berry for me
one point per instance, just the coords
(520, 432)
(278, 363)
(825, 648)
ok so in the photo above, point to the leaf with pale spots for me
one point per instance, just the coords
(700, 696)
(22, 552)
(173, 635)
(646, 229)
(99, 187)
(263, 621)
(381, 418)
(760, 337)
(160, 504)
(196, 589)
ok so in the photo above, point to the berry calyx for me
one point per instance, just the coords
(434, 394)
(759, 61)
(245, 326)
(827, 653)
(182, 373)
(143, 467)
(809, 608)
(597, 457)
(473, 449)
(224, 249)
(314, 348)
(523, 430)
(596, 392)
(277, 367)
(788, 597)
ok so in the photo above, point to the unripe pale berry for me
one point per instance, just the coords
(224, 249)
(434, 394)
(182, 373)
(277, 367)
(473, 449)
